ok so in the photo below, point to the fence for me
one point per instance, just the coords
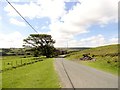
(9, 65)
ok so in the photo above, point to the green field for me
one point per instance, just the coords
(38, 75)
(0, 74)
(14, 61)
(106, 58)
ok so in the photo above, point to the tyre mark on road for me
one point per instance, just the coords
(68, 75)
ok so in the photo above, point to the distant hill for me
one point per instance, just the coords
(11, 51)
(74, 48)
(109, 50)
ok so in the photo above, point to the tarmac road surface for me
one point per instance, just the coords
(74, 75)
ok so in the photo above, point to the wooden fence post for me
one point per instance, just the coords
(16, 63)
(21, 61)
(12, 63)
(4, 65)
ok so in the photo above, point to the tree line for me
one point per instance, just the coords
(35, 45)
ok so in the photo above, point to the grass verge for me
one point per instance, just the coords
(106, 58)
(37, 75)
(107, 64)
(101, 64)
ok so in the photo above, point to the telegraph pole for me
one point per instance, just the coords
(67, 44)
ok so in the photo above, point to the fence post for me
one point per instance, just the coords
(4, 65)
(16, 63)
(21, 61)
(12, 63)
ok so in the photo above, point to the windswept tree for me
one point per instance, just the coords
(40, 44)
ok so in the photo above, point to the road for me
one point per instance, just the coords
(74, 75)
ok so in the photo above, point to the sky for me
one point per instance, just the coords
(72, 23)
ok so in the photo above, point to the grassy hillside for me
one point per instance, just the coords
(106, 58)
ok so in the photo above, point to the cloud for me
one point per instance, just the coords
(16, 22)
(42, 8)
(43, 27)
(81, 17)
(86, 14)
(27, 10)
(14, 0)
(93, 41)
(67, 24)
(53, 9)
(11, 40)
(113, 41)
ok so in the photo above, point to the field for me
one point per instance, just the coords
(0, 73)
(37, 75)
(106, 58)
(9, 62)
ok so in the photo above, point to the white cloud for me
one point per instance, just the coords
(16, 22)
(11, 40)
(93, 41)
(52, 8)
(113, 41)
(43, 27)
(27, 10)
(74, 22)
(86, 14)
(43, 8)
(14, 0)
(82, 16)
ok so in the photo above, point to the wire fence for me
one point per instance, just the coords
(13, 64)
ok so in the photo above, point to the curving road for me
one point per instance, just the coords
(74, 75)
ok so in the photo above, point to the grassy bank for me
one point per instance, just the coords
(37, 75)
(106, 58)
(101, 64)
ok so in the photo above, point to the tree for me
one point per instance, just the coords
(40, 44)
